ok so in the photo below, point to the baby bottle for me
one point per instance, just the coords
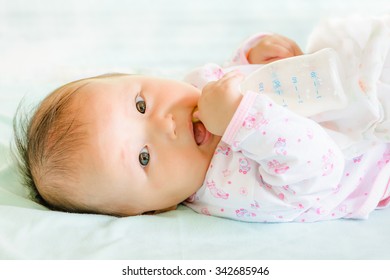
(306, 84)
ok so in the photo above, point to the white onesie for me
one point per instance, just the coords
(273, 165)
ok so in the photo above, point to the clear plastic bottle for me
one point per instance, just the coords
(306, 84)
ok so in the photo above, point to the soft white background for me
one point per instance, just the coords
(45, 43)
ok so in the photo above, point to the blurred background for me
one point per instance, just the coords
(45, 43)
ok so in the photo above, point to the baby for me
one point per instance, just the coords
(129, 144)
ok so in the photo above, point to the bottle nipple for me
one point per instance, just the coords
(195, 115)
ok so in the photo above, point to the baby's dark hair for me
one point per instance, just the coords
(48, 144)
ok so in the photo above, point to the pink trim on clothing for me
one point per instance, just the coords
(386, 197)
(384, 203)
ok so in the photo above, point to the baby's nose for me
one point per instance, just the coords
(167, 125)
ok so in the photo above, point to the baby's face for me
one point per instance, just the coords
(141, 154)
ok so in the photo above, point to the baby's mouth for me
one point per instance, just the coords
(201, 134)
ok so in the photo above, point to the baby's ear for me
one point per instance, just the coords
(155, 212)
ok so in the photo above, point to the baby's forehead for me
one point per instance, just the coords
(89, 90)
(96, 85)
(103, 96)
(97, 104)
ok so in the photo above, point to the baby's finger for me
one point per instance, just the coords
(233, 81)
(291, 45)
(280, 51)
(233, 74)
(297, 50)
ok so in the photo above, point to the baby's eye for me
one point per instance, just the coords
(140, 104)
(144, 156)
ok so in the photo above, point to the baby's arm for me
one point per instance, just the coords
(289, 148)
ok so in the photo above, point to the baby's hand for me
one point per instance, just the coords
(219, 101)
(273, 47)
